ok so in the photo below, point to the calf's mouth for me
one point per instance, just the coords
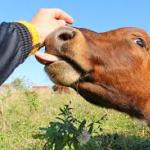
(64, 57)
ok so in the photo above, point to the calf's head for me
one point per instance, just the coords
(110, 69)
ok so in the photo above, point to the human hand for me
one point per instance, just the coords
(47, 20)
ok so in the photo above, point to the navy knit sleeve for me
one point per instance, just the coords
(15, 46)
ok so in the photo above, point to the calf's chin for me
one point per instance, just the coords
(62, 73)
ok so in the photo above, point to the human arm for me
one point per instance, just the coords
(18, 40)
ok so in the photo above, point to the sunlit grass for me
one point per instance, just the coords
(19, 124)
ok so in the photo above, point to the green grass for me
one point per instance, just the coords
(23, 113)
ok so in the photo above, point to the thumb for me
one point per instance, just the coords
(62, 22)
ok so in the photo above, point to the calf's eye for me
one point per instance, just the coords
(140, 42)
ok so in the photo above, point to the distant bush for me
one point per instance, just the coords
(19, 84)
(32, 99)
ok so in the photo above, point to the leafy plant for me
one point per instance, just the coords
(70, 133)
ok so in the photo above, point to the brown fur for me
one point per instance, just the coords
(122, 69)
(115, 70)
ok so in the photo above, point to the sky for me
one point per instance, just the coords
(98, 15)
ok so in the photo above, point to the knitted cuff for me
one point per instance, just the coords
(25, 39)
(34, 35)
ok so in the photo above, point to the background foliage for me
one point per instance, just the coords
(43, 119)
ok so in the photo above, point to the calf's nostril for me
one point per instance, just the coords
(67, 35)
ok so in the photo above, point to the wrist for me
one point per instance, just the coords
(34, 35)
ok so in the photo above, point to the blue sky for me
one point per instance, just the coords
(99, 15)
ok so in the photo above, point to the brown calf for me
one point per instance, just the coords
(110, 69)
